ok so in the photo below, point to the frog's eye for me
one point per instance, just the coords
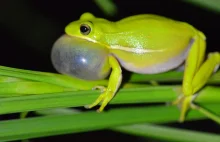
(85, 29)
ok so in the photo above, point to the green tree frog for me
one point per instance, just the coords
(145, 44)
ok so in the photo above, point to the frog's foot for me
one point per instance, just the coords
(114, 83)
(184, 103)
(105, 98)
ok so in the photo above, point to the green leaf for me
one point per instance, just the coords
(88, 121)
(213, 5)
(63, 124)
(81, 98)
(148, 130)
(171, 76)
(4, 79)
(107, 6)
(19, 88)
(167, 133)
(52, 78)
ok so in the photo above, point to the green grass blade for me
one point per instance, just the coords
(67, 81)
(137, 94)
(207, 113)
(64, 124)
(4, 79)
(82, 98)
(166, 133)
(171, 76)
(213, 5)
(23, 70)
(149, 130)
(58, 111)
(52, 78)
(209, 95)
(107, 6)
(29, 88)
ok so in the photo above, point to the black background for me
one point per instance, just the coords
(29, 28)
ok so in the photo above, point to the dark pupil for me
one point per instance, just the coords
(84, 29)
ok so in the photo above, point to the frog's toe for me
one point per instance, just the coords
(184, 103)
(96, 102)
(107, 98)
(99, 99)
(104, 98)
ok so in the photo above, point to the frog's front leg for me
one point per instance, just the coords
(196, 74)
(113, 85)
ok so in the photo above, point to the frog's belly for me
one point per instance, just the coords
(151, 63)
(157, 68)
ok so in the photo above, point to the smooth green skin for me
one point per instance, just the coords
(149, 44)
(147, 35)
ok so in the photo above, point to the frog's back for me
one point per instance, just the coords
(148, 22)
(144, 42)
(141, 17)
(148, 31)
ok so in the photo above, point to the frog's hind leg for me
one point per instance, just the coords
(196, 74)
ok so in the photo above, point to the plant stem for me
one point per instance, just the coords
(72, 123)
(166, 133)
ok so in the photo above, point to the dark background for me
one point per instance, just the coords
(30, 27)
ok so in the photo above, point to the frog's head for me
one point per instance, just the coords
(87, 27)
(74, 54)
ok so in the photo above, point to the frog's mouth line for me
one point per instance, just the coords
(88, 39)
(82, 37)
